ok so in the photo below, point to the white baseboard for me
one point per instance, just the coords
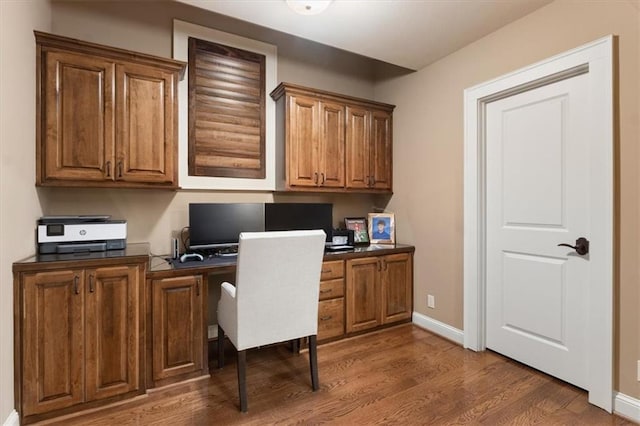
(13, 419)
(626, 406)
(437, 327)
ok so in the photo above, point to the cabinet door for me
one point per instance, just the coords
(381, 150)
(331, 145)
(52, 345)
(357, 148)
(145, 119)
(77, 129)
(177, 326)
(302, 141)
(112, 330)
(397, 287)
(363, 293)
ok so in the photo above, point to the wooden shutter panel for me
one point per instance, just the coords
(226, 111)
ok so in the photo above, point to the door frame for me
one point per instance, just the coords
(596, 59)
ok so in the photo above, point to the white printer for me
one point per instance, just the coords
(75, 234)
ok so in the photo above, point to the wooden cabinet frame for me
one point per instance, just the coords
(176, 329)
(379, 291)
(106, 117)
(78, 334)
(332, 143)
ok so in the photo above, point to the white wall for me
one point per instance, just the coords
(19, 205)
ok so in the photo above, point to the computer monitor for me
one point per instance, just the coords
(219, 225)
(299, 216)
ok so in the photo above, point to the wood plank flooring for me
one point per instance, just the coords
(403, 375)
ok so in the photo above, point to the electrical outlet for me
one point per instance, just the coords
(431, 301)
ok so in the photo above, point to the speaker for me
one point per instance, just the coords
(175, 248)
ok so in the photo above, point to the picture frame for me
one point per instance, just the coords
(382, 228)
(360, 230)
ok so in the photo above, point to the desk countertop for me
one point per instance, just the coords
(160, 268)
(135, 252)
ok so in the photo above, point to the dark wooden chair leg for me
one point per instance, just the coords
(220, 347)
(295, 346)
(242, 380)
(313, 362)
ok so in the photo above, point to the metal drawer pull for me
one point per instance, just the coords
(75, 284)
(326, 271)
(326, 291)
(327, 318)
(91, 289)
(108, 168)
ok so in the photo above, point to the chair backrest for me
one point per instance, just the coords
(277, 286)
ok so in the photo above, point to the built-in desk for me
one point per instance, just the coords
(97, 328)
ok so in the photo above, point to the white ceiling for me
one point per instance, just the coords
(407, 33)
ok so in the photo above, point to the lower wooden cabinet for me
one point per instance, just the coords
(331, 305)
(397, 287)
(78, 333)
(379, 291)
(178, 346)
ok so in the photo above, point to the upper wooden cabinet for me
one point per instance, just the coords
(330, 142)
(106, 117)
(369, 149)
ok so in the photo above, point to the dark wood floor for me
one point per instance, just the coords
(402, 375)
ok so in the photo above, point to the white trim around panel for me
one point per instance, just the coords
(598, 57)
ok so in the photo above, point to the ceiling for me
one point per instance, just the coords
(406, 33)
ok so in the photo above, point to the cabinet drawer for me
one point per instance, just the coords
(330, 318)
(331, 289)
(331, 270)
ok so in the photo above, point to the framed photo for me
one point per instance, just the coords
(359, 227)
(382, 228)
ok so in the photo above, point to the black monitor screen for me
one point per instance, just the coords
(217, 225)
(298, 216)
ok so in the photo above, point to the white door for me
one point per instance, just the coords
(538, 183)
(538, 172)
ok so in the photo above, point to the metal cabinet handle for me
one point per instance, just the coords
(108, 166)
(198, 287)
(120, 166)
(379, 266)
(315, 178)
(91, 288)
(325, 291)
(322, 175)
(327, 318)
(384, 264)
(76, 279)
(581, 247)
(326, 271)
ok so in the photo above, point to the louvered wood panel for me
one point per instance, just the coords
(226, 111)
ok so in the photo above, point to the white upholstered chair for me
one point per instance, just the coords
(275, 298)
